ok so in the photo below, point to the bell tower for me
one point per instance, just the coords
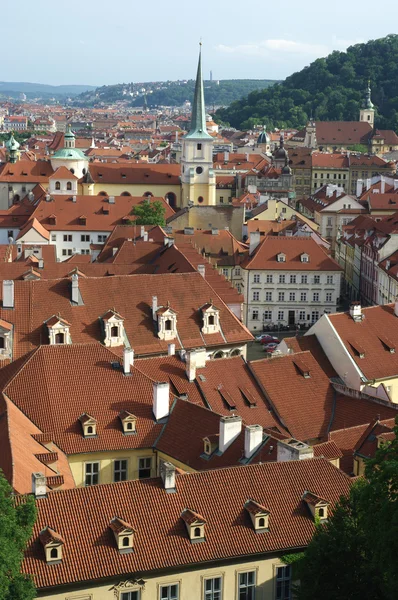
(367, 112)
(197, 176)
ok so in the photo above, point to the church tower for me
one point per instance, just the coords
(12, 149)
(367, 112)
(197, 176)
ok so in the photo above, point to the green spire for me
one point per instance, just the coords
(11, 143)
(368, 99)
(198, 120)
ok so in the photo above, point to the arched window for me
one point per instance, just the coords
(2, 344)
(218, 354)
(57, 185)
(72, 171)
(235, 352)
(90, 429)
(84, 171)
(148, 195)
(125, 194)
(167, 325)
(200, 199)
(60, 338)
(129, 425)
(171, 199)
(115, 331)
(211, 319)
(126, 542)
(197, 532)
(69, 185)
(54, 553)
(261, 522)
(16, 198)
(102, 194)
(321, 513)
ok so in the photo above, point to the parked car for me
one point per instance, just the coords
(270, 339)
(271, 347)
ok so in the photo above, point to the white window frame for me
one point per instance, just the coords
(268, 296)
(128, 594)
(269, 279)
(120, 470)
(304, 279)
(144, 458)
(283, 580)
(239, 588)
(94, 462)
(209, 594)
(256, 278)
(169, 585)
(256, 296)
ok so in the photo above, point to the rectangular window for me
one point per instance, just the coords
(314, 316)
(247, 586)
(317, 278)
(269, 278)
(237, 271)
(101, 239)
(256, 296)
(225, 272)
(85, 238)
(199, 146)
(144, 467)
(329, 279)
(85, 251)
(120, 470)
(304, 279)
(302, 315)
(268, 296)
(281, 315)
(282, 278)
(255, 315)
(239, 288)
(292, 278)
(213, 589)
(63, 252)
(315, 297)
(328, 296)
(281, 296)
(303, 297)
(130, 595)
(10, 233)
(221, 199)
(256, 278)
(169, 592)
(283, 583)
(267, 315)
(91, 473)
(67, 238)
(329, 220)
(284, 210)
(292, 297)
(53, 237)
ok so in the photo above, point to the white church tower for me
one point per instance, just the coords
(197, 176)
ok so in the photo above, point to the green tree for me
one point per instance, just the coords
(353, 556)
(16, 523)
(150, 213)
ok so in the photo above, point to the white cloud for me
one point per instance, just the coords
(268, 48)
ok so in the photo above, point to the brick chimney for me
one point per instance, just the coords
(253, 439)
(8, 293)
(230, 428)
(161, 391)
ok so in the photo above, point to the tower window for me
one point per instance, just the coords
(69, 185)
(199, 146)
(199, 170)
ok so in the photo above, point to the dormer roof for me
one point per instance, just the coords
(110, 314)
(55, 319)
(209, 306)
(48, 536)
(162, 310)
(190, 516)
(314, 499)
(86, 419)
(63, 173)
(118, 525)
(254, 508)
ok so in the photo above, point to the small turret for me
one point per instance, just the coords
(12, 147)
(367, 112)
(69, 137)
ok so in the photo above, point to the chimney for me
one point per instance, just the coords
(214, 231)
(75, 289)
(111, 199)
(396, 307)
(142, 231)
(254, 241)
(253, 439)
(368, 183)
(154, 306)
(73, 198)
(8, 293)
(230, 428)
(395, 184)
(382, 185)
(168, 475)
(128, 360)
(171, 349)
(161, 393)
(202, 270)
(293, 450)
(39, 485)
(190, 362)
(359, 187)
(114, 251)
(145, 236)
(41, 263)
(356, 311)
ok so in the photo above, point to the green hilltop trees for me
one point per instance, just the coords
(329, 89)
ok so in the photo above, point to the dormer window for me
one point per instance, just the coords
(211, 318)
(113, 324)
(58, 330)
(195, 525)
(281, 257)
(210, 444)
(53, 544)
(89, 425)
(129, 422)
(124, 535)
(305, 258)
(259, 516)
(5, 339)
(167, 322)
(318, 506)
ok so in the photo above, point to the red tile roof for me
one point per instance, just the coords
(156, 518)
(26, 170)
(128, 173)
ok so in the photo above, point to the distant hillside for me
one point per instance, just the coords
(172, 93)
(35, 90)
(330, 89)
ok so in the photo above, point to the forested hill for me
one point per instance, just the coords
(172, 93)
(329, 89)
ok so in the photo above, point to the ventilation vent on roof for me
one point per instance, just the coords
(115, 365)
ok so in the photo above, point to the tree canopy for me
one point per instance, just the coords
(354, 555)
(329, 89)
(16, 523)
(149, 213)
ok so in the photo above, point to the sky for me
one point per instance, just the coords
(98, 42)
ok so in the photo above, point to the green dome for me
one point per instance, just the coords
(69, 154)
(12, 144)
(69, 133)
